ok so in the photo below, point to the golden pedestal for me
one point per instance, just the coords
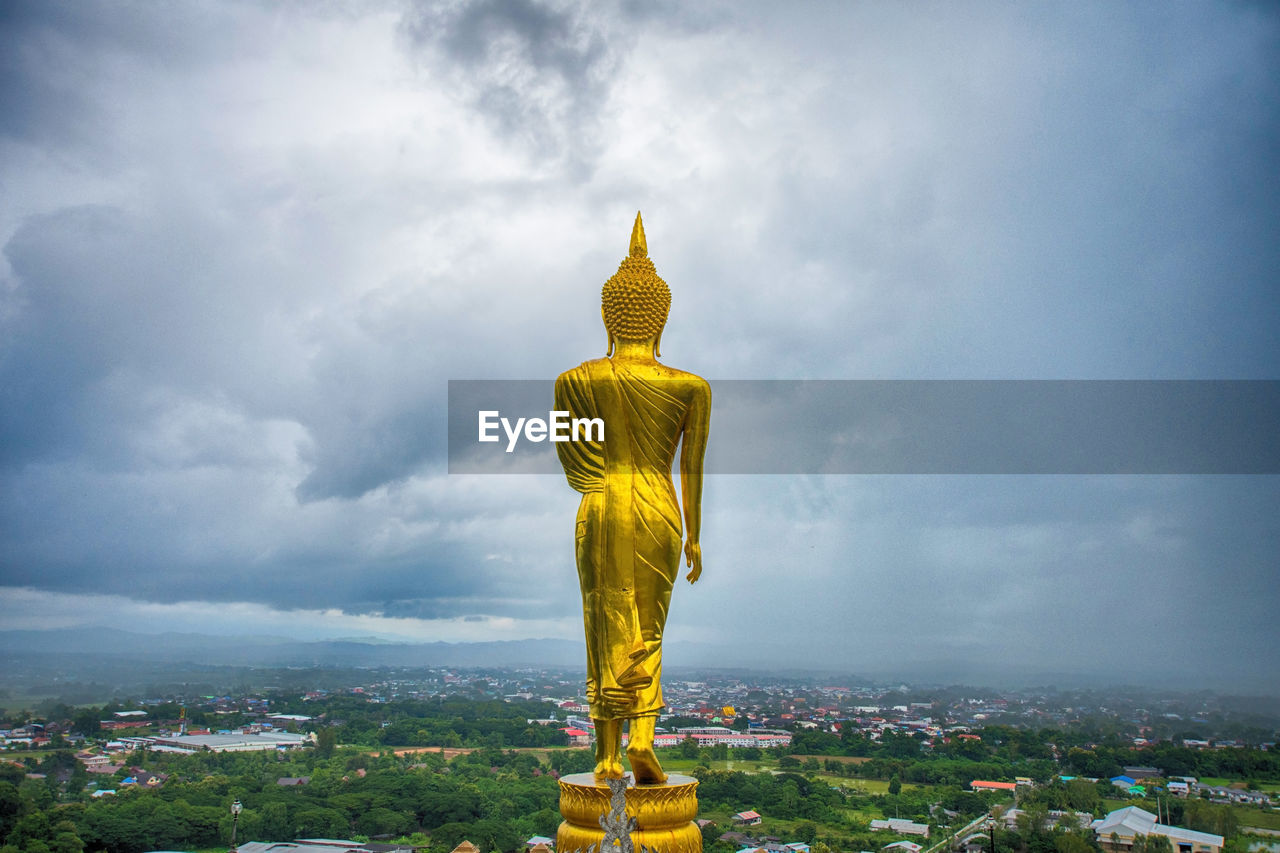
(664, 814)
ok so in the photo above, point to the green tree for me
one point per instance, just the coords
(326, 742)
(895, 785)
(10, 807)
(274, 822)
(1069, 842)
(65, 838)
(87, 721)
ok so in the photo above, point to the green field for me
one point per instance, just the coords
(861, 786)
(17, 700)
(1260, 818)
(674, 764)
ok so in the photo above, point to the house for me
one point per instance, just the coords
(747, 819)
(901, 826)
(321, 845)
(1052, 818)
(1137, 773)
(536, 841)
(1179, 789)
(1116, 832)
(146, 779)
(92, 760)
(578, 737)
(903, 847)
(982, 785)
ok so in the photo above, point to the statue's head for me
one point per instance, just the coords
(635, 301)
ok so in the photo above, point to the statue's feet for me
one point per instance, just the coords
(645, 766)
(609, 769)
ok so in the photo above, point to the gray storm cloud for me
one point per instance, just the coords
(245, 247)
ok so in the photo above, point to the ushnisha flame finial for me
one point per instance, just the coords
(639, 248)
(635, 300)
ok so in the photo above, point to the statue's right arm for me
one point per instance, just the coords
(693, 446)
(570, 452)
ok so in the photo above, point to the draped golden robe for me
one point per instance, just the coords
(628, 529)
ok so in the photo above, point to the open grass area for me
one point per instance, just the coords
(1263, 819)
(675, 764)
(843, 759)
(1111, 805)
(1219, 781)
(861, 786)
(13, 701)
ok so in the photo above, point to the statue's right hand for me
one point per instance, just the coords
(693, 558)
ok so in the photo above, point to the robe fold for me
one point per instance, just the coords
(629, 529)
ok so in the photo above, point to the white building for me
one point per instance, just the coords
(1128, 823)
(901, 826)
(229, 742)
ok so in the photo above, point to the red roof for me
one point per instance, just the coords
(575, 732)
(999, 786)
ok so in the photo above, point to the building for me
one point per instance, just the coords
(1137, 773)
(747, 819)
(229, 742)
(94, 762)
(321, 845)
(982, 785)
(901, 826)
(578, 737)
(1052, 818)
(1117, 831)
(903, 847)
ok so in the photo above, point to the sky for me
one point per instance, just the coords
(247, 244)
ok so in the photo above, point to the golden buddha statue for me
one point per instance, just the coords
(628, 539)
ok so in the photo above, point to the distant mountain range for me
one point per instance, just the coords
(80, 648)
(268, 650)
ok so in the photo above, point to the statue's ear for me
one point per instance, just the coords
(609, 352)
(657, 345)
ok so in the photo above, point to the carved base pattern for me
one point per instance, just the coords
(664, 814)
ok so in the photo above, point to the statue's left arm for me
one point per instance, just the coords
(693, 446)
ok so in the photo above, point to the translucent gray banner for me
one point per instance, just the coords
(917, 427)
